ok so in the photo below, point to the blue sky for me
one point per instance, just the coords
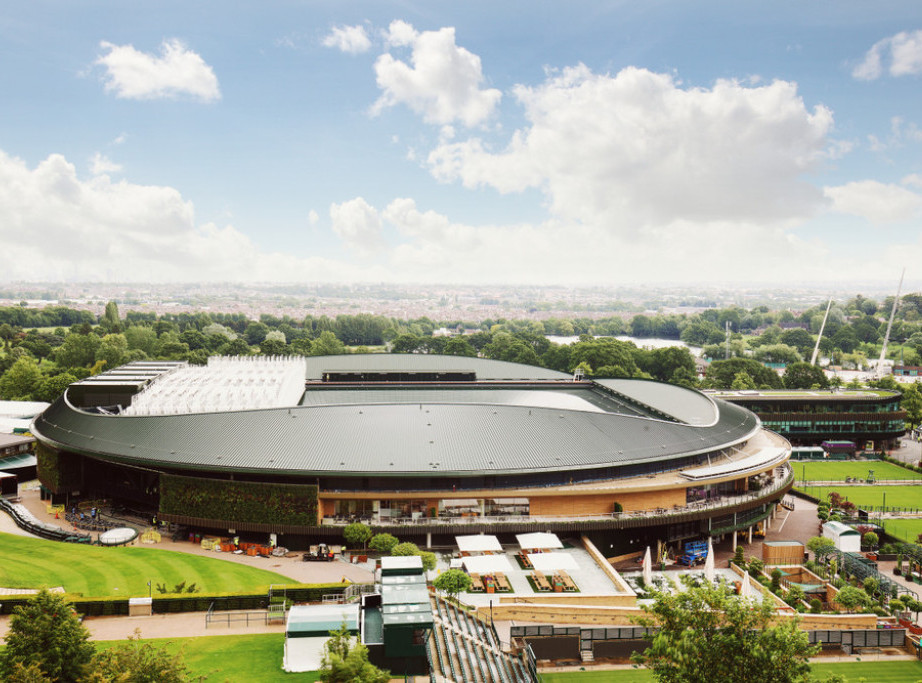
(539, 142)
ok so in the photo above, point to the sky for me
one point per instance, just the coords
(588, 143)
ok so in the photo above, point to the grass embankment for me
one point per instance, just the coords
(95, 571)
(906, 497)
(837, 471)
(879, 672)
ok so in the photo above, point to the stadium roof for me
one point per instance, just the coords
(448, 434)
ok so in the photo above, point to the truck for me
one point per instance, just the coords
(695, 553)
(319, 553)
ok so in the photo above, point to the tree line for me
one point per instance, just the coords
(38, 362)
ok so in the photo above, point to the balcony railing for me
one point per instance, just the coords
(697, 509)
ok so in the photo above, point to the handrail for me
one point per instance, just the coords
(729, 501)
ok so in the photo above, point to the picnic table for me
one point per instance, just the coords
(566, 580)
(502, 583)
(476, 583)
(541, 581)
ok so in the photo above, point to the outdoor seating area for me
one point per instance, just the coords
(558, 582)
(495, 570)
(490, 583)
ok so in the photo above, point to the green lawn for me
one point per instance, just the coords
(878, 672)
(95, 571)
(904, 529)
(231, 658)
(868, 495)
(838, 470)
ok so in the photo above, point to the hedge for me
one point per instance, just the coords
(192, 602)
(239, 501)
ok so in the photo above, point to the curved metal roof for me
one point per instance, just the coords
(419, 438)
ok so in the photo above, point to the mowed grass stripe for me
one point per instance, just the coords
(904, 529)
(908, 497)
(838, 470)
(97, 572)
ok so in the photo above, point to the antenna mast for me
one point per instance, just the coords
(896, 303)
(816, 349)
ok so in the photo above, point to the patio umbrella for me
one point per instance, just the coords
(647, 568)
(746, 588)
(709, 563)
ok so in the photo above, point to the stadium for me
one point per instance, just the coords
(421, 446)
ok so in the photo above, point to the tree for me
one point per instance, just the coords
(851, 598)
(50, 388)
(452, 581)
(47, 632)
(706, 634)
(143, 338)
(742, 380)
(818, 543)
(912, 404)
(327, 345)
(720, 373)
(405, 549)
(138, 661)
(383, 543)
(20, 381)
(804, 376)
(776, 353)
(110, 319)
(429, 560)
(870, 540)
(77, 351)
(357, 534)
(345, 660)
(112, 349)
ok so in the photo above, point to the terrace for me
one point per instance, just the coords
(777, 483)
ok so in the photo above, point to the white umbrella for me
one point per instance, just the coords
(709, 563)
(746, 588)
(647, 568)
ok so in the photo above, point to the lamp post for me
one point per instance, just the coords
(149, 590)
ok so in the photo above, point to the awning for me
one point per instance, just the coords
(551, 562)
(538, 541)
(487, 564)
(478, 543)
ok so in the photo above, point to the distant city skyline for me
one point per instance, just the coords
(469, 143)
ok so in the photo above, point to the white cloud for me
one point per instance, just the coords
(400, 34)
(313, 218)
(902, 51)
(358, 225)
(101, 164)
(913, 180)
(437, 250)
(442, 82)
(877, 202)
(132, 74)
(636, 151)
(84, 229)
(350, 39)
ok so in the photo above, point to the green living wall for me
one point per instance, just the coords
(58, 472)
(238, 501)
